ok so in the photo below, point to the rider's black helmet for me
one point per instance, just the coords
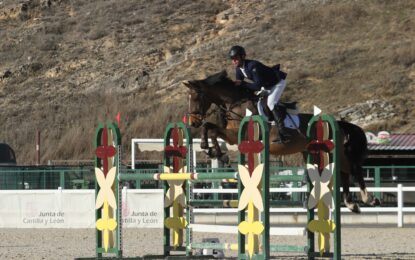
(236, 51)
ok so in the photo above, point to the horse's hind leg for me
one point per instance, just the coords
(347, 196)
(366, 197)
(357, 172)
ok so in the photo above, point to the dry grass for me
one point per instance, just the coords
(404, 54)
(76, 63)
(327, 18)
(382, 125)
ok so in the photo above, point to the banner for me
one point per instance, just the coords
(75, 208)
(142, 208)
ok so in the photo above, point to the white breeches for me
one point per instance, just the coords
(276, 92)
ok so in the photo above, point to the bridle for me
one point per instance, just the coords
(198, 114)
(226, 109)
(228, 112)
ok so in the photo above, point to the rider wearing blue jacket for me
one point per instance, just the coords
(261, 75)
(271, 79)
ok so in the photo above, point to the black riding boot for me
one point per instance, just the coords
(279, 124)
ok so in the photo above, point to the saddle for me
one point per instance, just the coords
(284, 107)
(289, 107)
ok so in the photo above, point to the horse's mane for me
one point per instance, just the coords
(227, 86)
(219, 78)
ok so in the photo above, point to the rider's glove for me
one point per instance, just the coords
(263, 92)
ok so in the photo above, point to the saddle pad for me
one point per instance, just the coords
(291, 120)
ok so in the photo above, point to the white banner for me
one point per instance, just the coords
(47, 209)
(143, 208)
(75, 208)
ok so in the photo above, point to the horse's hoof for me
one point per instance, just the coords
(356, 209)
(353, 207)
(212, 153)
(224, 158)
(375, 202)
(209, 152)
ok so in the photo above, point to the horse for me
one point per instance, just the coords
(231, 103)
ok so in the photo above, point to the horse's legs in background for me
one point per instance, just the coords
(358, 174)
(367, 198)
(346, 174)
(347, 196)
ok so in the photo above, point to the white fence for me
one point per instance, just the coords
(75, 208)
(399, 209)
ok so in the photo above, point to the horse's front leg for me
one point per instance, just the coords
(216, 146)
(210, 131)
(204, 143)
(223, 157)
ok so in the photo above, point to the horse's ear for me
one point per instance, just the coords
(191, 84)
(187, 83)
(223, 74)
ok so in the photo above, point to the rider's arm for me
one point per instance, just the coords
(251, 86)
(239, 78)
(257, 79)
(239, 75)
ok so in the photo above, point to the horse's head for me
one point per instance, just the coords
(199, 103)
(216, 89)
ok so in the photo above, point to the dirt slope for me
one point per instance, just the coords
(67, 64)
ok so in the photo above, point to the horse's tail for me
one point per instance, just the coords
(355, 148)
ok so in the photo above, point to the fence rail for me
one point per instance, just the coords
(46, 177)
(399, 209)
(71, 177)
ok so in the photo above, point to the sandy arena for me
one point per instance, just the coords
(357, 243)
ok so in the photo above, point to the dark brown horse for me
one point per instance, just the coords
(230, 105)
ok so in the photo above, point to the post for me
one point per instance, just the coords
(215, 184)
(176, 156)
(107, 145)
(37, 147)
(132, 154)
(377, 181)
(321, 129)
(254, 153)
(295, 196)
(62, 179)
(194, 159)
(400, 205)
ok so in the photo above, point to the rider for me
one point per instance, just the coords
(264, 79)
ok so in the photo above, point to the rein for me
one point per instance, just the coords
(204, 116)
(229, 110)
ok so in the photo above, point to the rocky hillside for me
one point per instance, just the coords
(65, 65)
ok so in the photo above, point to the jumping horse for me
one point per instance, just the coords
(218, 106)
